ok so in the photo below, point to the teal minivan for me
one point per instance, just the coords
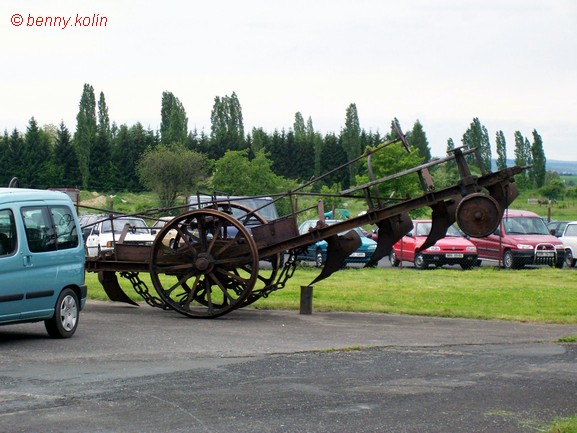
(41, 260)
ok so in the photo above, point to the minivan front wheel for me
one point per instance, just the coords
(66, 313)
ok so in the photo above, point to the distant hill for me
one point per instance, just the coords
(561, 167)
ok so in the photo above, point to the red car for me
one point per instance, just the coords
(453, 249)
(521, 239)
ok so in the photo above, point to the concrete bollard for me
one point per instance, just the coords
(306, 300)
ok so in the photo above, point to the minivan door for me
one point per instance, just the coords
(40, 261)
(12, 287)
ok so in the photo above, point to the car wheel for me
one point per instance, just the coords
(319, 259)
(393, 259)
(420, 261)
(569, 260)
(467, 265)
(508, 260)
(66, 313)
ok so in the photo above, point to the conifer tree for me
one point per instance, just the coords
(65, 158)
(418, 141)
(36, 154)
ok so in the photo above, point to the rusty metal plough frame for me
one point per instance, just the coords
(205, 263)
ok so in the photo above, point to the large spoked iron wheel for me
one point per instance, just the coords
(204, 263)
(266, 274)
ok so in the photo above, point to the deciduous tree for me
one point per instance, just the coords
(477, 136)
(85, 134)
(539, 160)
(169, 170)
(351, 142)
(173, 120)
(501, 147)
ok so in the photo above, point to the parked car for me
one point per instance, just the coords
(158, 225)
(41, 260)
(556, 227)
(99, 235)
(521, 239)
(265, 205)
(317, 252)
(453, 249)
(569, 239)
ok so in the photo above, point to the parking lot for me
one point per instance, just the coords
(131, 369)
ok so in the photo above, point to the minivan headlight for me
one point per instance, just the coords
(524, 247)
(434, 248)
(471, 248)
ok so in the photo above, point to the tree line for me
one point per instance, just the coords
(102, 156)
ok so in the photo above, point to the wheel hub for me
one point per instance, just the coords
(204, 262)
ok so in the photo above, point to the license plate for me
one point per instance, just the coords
(454, 256)
(358, 255)
(545, 254)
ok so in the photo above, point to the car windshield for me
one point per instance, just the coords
(119, 223)
(264, 206)
(424, 228)
(571, 230)
(525, 226)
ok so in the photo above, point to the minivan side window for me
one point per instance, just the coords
(66, 233)
(48, 229)
(7, 233)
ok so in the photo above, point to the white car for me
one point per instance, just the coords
(569, 239)
(99, 236)
(168, 239)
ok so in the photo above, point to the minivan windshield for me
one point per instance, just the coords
(525, 226)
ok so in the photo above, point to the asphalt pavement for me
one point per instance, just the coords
(142, 369)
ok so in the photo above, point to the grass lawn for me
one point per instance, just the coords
(544, 295)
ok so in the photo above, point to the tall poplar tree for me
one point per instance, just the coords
(501, 147)
(173, 120)
(521, 159)
(351, 142)
(478, 136)
(227, 126)
(539, 160)
(101, 153)
(85, 134)
(299, 126)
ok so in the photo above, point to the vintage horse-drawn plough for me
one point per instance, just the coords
(206, 262)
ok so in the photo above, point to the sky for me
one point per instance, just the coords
(511, 63)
